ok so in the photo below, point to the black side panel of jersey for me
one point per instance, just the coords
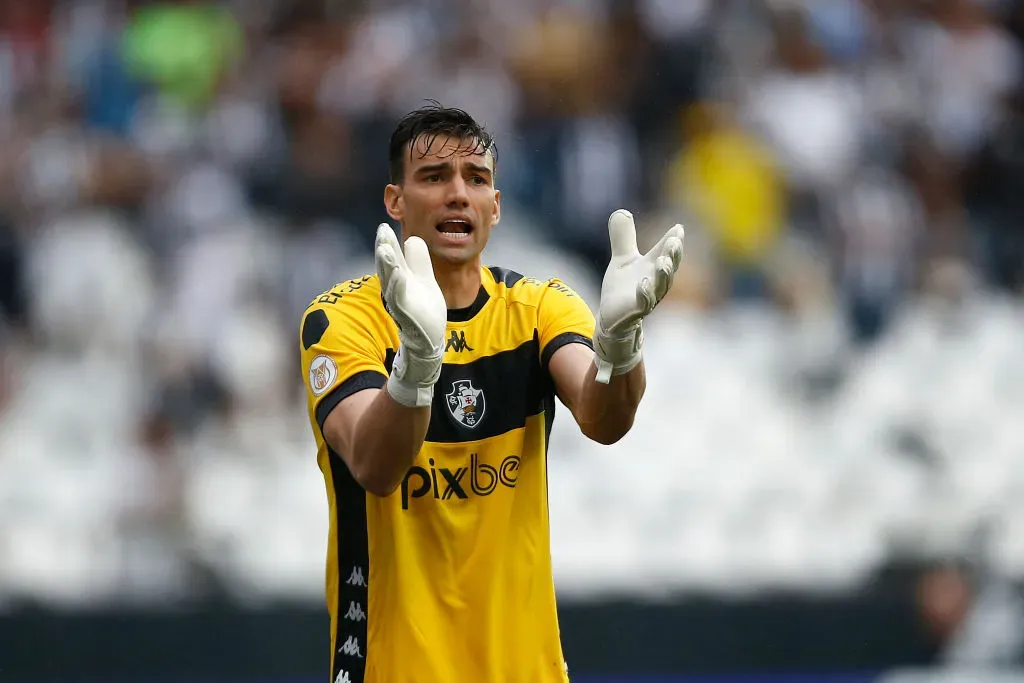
(350, 646)
(548, 404)
(509, 277)
(503, 390)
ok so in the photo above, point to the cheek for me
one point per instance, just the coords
(486, 206)
(423, 202)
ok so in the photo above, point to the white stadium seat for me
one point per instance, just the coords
(730, 481)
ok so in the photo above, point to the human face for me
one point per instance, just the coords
(447, 198)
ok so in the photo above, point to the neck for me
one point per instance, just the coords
(459, 284)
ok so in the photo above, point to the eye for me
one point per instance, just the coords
(433, 178)
(478, 180)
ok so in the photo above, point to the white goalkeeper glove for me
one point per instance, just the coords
(415, 302)
(633, 285)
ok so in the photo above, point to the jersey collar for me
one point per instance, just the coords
(461, 315)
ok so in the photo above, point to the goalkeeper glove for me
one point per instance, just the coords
(414, 300)
(633, 285)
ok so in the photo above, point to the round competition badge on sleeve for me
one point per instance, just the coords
(323, 371)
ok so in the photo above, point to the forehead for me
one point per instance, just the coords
(429, 149)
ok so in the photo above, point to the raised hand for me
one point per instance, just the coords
(633, 285)
(415, 302)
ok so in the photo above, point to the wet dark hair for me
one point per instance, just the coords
(429, 122)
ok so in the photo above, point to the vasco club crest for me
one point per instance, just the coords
(465, 403)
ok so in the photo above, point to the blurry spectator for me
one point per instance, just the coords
(840, 27)
(670, 48)
(994, 184)
(976, 619)
(879, 227)
(94, 65)
(729, 182)
(318, 76)
(13, 306)
(465, 73)
(183, 49)
(600, 165)
(967, 66)
(25, 48)
(6, 348)
(892, 88)
(811, 112)
(934, 180)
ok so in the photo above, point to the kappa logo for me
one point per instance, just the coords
(323, 371)
(343, 677)
(355, 612)
(351, 648)
(356, 577)
(457, 342)
(466, 403)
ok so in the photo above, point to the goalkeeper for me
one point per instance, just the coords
(431, 390)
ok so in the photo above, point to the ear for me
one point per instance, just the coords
(394, 202)
(497, 208)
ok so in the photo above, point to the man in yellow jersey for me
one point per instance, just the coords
(431, 392)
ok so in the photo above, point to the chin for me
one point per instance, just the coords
(455, 255)
(457, 259)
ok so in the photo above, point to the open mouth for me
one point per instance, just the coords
(456, 229)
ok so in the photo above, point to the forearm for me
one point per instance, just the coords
(607, 410)
(388, 436)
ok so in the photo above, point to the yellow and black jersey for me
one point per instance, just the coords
(447, 580)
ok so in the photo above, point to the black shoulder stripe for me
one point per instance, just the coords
(509, 277)
(314, 327)
(560, 341)
(367, 379)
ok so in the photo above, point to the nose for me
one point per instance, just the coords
(458, 194)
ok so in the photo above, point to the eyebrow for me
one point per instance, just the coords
(479, 168)
(434, 168)
(447, 166)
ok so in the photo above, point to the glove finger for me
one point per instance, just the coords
(387, 254)
(645, 295)
(409, 328)
(622, 233)
(675, 232)
(386, 235)
(418, 257)
(674, 251)
(395, 295)
(664, 270)
(386, 262)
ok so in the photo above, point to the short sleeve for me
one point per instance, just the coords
(562, 318)
(344, 349)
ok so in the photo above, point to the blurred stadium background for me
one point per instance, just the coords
(825, 482)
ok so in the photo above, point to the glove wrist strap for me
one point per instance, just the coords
(409, 392)
(618, 353)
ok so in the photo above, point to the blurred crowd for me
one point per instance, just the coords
(179, 178)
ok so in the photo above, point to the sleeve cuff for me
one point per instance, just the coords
(560, 341)
(367, 379)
